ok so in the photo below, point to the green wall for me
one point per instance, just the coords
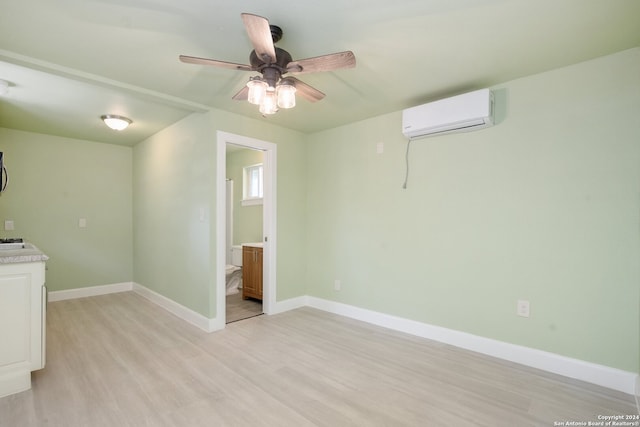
(544, 207)
(247, 220)
(55, 181)
(174, 182)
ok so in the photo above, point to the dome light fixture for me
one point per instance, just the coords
(116, 122)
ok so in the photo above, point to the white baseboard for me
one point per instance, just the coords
(605, 376)
(90, 291)
(616, 379)
(289, 304)
(14, 381)
(184, 313)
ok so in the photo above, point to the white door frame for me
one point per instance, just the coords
(228, 219)
(268, 222)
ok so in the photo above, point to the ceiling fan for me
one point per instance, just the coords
(274, 88)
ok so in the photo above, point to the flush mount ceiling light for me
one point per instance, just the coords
(116, 122)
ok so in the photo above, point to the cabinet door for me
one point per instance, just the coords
(259, 273)
(21, 325)
(251, 272)
(15, 320)
(248, 272)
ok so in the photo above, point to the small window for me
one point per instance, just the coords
(252, 185)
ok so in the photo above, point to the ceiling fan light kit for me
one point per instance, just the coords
(271, 91)
(269, 98)
(269, 103)
(286, 94)
(257, 90)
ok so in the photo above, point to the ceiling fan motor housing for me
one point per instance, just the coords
(282, 59)
(276, 33)
(271, 72)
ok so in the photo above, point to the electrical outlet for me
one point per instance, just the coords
(522, 308)
(82, 222)
(8, 225)
(380, 147)
(337, 285)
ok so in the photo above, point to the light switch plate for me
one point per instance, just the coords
(523, 308)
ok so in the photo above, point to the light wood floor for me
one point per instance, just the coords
(239, 309)
(118, 360)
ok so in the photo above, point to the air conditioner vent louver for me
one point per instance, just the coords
(461, 113)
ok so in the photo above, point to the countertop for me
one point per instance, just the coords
(30, 253)
(254, 245)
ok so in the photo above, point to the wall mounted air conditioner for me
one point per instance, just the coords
(462, 113)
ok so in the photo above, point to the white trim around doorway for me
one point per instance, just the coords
(269, 222)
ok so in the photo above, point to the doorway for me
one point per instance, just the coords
(244, 232)
(266, 237)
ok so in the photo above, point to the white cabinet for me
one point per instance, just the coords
(22, 324)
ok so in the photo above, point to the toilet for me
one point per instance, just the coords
(234, 271)
(236, 255)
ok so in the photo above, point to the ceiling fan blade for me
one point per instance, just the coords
(260, 36)
(215, 63)
(309, 93)
(242, 95)
(333, 61)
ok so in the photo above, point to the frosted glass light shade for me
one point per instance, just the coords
(257, 90)
(116, 122)
(269, 103)
(286, 95)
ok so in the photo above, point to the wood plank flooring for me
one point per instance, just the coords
(119, 360)
(239, 309)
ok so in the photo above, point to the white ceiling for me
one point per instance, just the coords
(69, 61)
